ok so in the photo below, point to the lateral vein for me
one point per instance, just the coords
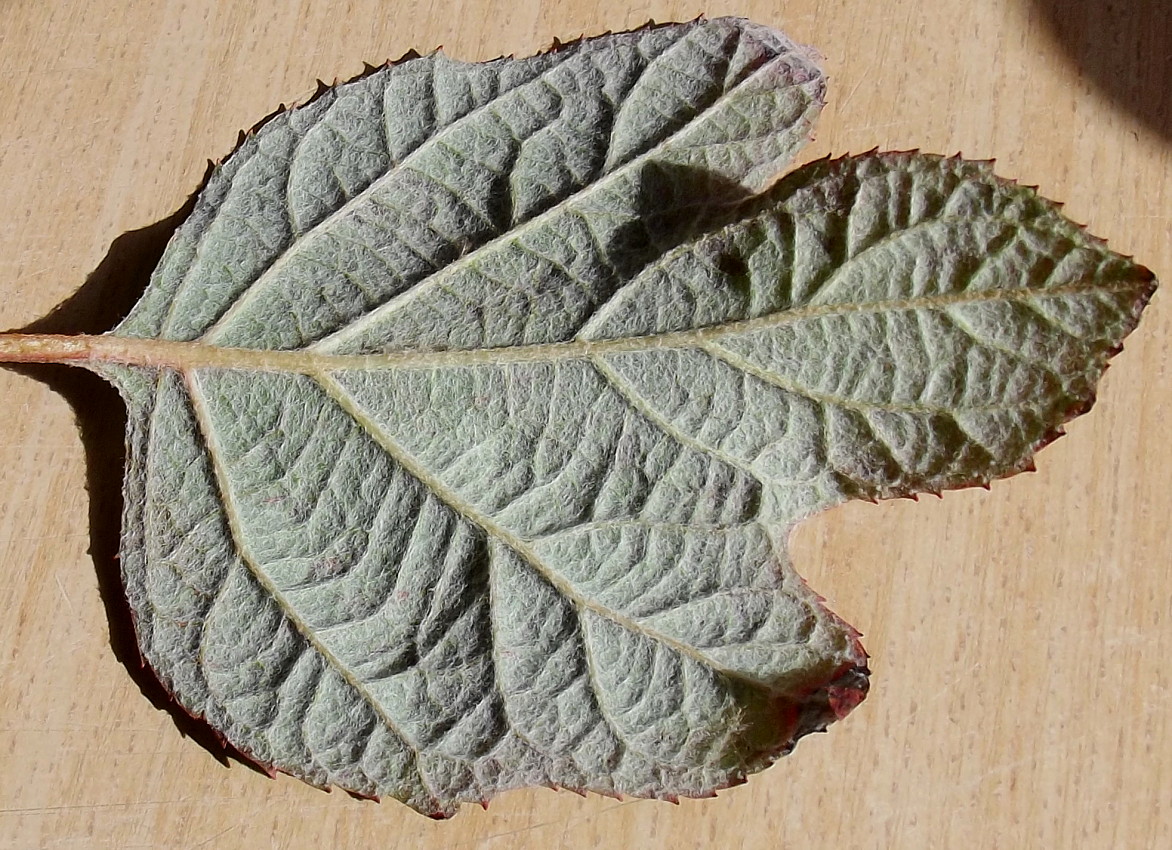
(235, 525)
(494, 529)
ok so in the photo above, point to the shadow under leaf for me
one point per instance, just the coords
(107, 295)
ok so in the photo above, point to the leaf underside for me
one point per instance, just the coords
(562, 368)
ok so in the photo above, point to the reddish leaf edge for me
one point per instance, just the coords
(805, 712)
(828, 700)
(555, 45)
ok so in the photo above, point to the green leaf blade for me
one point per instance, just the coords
(483, 397)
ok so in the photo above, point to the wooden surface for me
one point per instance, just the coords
(1022, 695)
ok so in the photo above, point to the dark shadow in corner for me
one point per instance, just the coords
(1124, 47)
(106, 297)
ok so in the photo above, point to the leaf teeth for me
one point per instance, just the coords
(410, 56)
(441, 412)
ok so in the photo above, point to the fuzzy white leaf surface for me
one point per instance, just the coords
(526, 370)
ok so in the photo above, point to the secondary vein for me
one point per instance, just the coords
(235, 525)
(497, 531)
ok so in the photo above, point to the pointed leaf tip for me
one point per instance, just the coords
(462, 378)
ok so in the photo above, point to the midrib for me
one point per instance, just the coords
(156, 353)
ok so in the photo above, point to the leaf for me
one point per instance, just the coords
(472, 406)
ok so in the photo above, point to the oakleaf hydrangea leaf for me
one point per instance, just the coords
(472, 406)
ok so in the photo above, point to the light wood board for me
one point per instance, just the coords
(1021, 693)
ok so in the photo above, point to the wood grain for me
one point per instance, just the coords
(1021, 696)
